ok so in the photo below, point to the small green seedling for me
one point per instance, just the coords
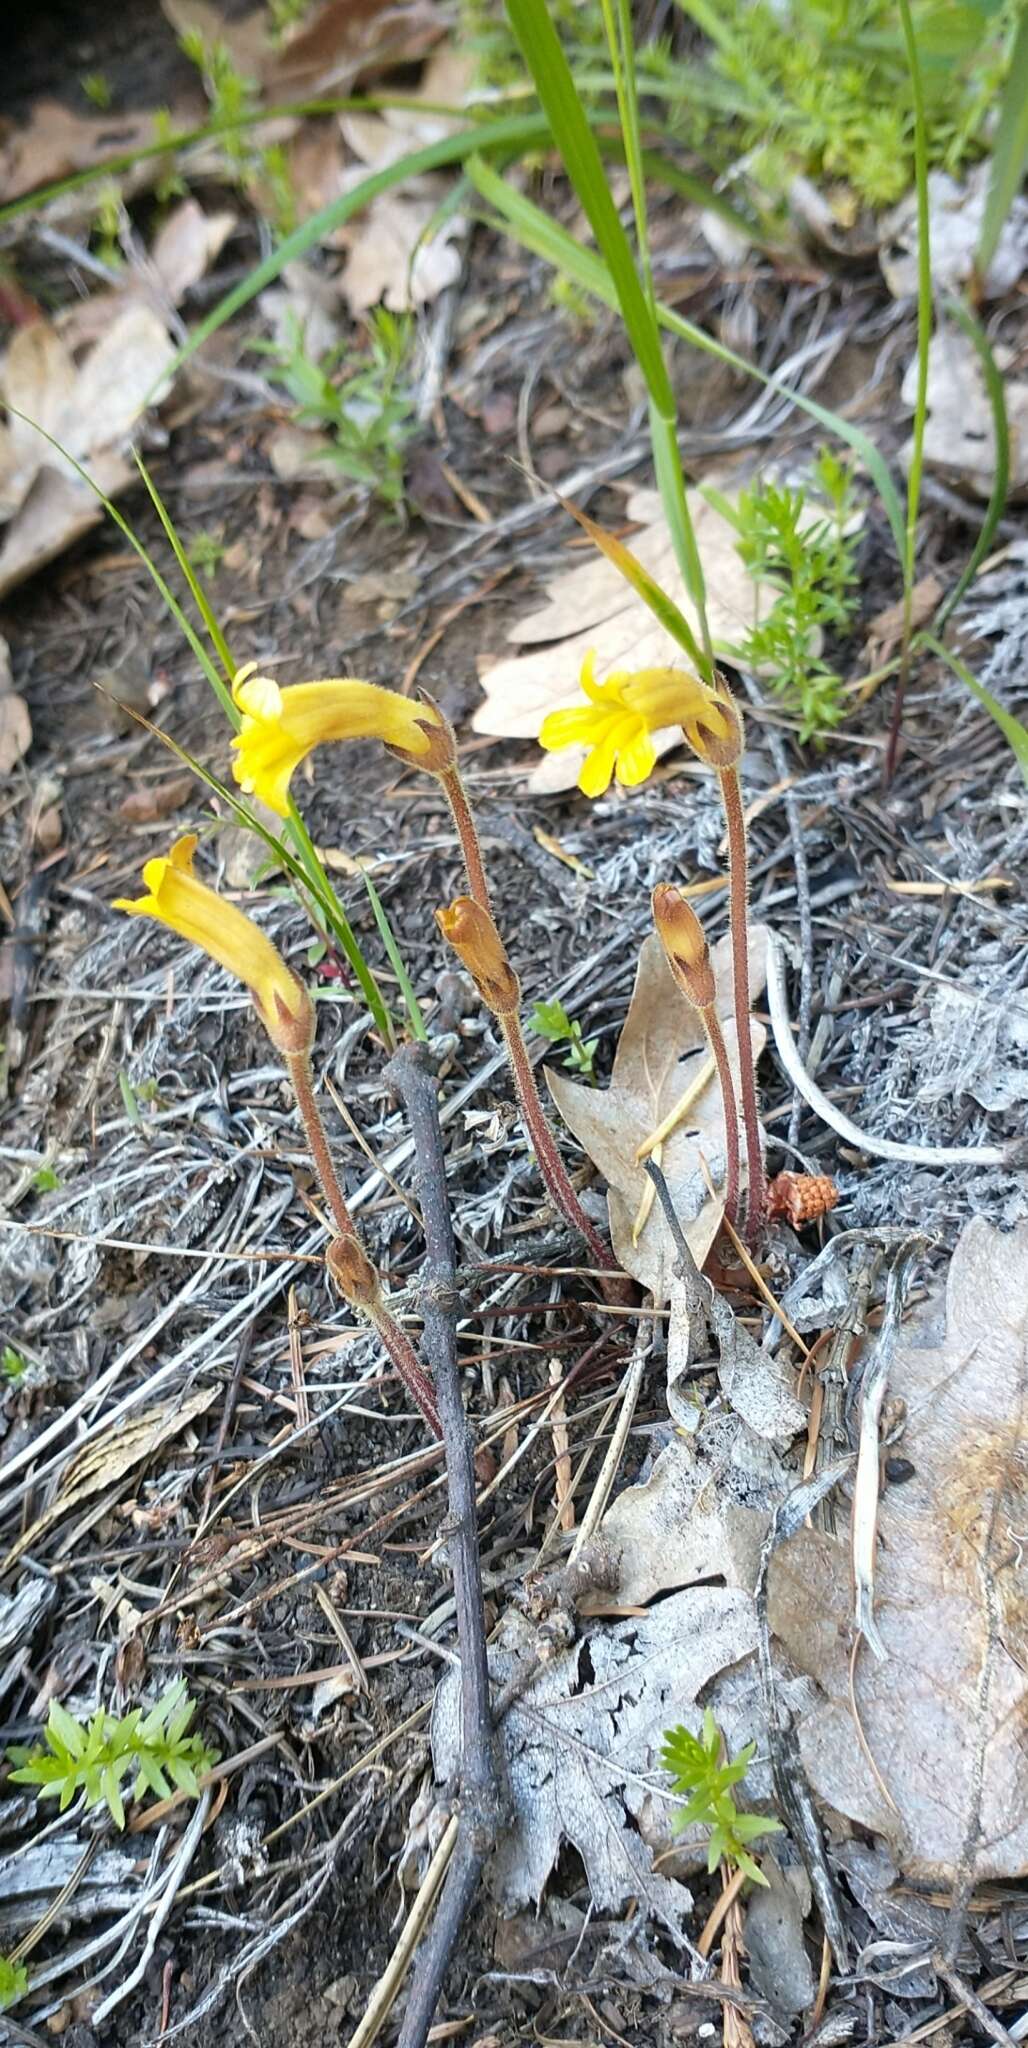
(95, 1759)
(550, 1020)
(14, 1982)
(206, 551)
(12, 1365)
(803, 548)
(45, 1181)
(367, 410)
(97, 88)
(694, 1762)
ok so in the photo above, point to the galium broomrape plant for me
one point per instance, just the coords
(688, 956)
(472, 933)
(617, 724)
(176, 897)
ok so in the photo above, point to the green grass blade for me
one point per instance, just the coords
(1001, 478)
(1010, 149)
(199, 594)
(543, 53)
(924, 308)
(547, 239)
(663, 607)
(417, 1021)
(509, 132)
(1013, 729)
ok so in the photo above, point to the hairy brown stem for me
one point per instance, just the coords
(394, 1341)
(738, 892)
(544, 1144)
(301, 1079)
(716, 1040)
(467, 833)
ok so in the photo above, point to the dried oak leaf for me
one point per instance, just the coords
(579, 1748)
(650, 1073)
(591, 605)
(945, 1715)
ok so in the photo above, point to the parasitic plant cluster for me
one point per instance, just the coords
(617, 724)
(280, 727)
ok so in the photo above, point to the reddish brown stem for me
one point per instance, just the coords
(738, 892)
(403, 1356)
(394, 1342)
(544, 1144)
(716, 1038)
(467, 833)
(302, 1080)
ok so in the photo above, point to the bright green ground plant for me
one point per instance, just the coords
(96, 1759)
(550, 1020)
(14, 1982)
(804, 548)
(697, 1772)
(365, 404)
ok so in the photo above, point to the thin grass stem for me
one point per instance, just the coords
(738, 897)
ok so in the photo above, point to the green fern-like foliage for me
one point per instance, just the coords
(14, 1982)
(97, 1758)
(694, 1762)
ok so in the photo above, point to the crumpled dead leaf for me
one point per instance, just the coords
(56, 141)
(15, 722)
(591, 605)
(944, 1714)
(187, 243)
(90, 410)
(959, 436)
(113, 1453)
(391, 262)
(580, 1745)
(955, 223)
(648, 1077)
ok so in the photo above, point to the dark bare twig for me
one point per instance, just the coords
(410, 1073)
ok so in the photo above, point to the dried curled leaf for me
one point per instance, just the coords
(945, 1716)
(649, 1075)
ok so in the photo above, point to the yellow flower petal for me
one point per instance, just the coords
(636, 759)
(567, 729)
(176, 898)
(598, 767)
(280, 727)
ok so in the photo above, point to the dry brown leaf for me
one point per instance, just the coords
(390, 261)
(116, 1451)
(187, 244)
(945, 1714)
(91, 411)
(959, 437)
(344, 41)
(156, 800)
(56, 141)
(647, 1079)
(381, 139)
(307, 303)
(591, 605)
(15, 730)
(955, 214)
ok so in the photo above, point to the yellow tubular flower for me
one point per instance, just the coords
(176, 898)
(281, 727)
(621, 715)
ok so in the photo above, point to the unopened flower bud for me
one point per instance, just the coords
(288, 1017)
(688, 955)
(719, 749)
(477, 943)
(438, 755)
(353, 1273)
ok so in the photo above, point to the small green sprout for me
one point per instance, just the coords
(97, 88)
(14, 1982)
(367, 410)
(206, 551)
(12, 1365)
(810, 561)
(694, 1762)
(45, 1180)
(95, 1759)
(550, 1020)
